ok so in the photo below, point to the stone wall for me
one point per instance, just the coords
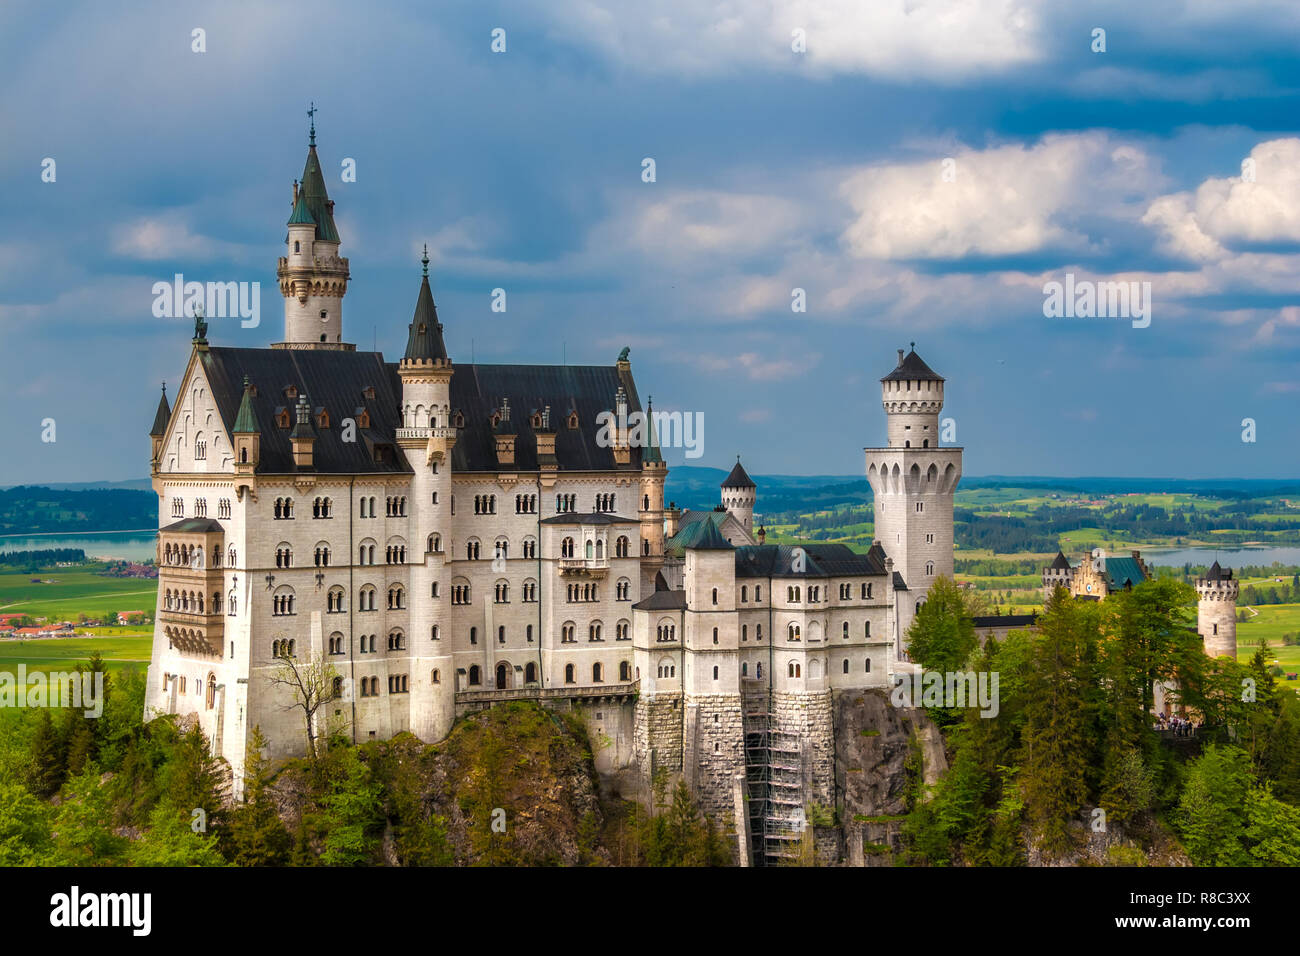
(809, 716)
(715, 752)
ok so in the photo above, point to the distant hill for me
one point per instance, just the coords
(27, 509)
(133, 484)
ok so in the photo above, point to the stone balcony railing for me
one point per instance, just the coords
(584, 564)
(426, 432)
(534, 692)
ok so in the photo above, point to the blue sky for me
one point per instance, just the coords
(775, 170)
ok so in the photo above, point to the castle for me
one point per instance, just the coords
(445, 537)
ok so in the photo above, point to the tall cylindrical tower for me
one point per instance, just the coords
(427, 437)
(913, 481)
(1216, 611)
(739, 493)
(313, 276)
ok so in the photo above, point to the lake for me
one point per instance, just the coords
(1228, 557)
(118, 545)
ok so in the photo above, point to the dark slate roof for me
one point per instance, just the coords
(161, 417)
(193, 526)
(333, 380)
(477, 391)
(709, 539)
(1124, 571)
(1005, 620)
(313, 195)
(424, 340)
(1217, 573)
(738, 478)
(819, 561)
(899, 583)
(912, 369)
(1060, 562)
(593, 518)
(662, 601)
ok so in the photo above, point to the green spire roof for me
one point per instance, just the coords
(300, 215)
(709, 538)
(425, 338)
(246, 420)
(313, 196)
(162, 416)
(651, 453)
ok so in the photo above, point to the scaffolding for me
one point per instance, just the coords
(774, 775)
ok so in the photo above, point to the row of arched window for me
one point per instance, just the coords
(190, 602)
(485, 504)
(525, 504)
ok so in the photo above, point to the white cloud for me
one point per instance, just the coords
(944, 40)
(1234, 209)
(154, 238)
(1007, 200)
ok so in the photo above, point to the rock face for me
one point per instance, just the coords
(877, 746)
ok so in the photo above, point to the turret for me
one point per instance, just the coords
(158, 433)
(912, 395)
(313, 277)
(653, 475)
(1216, 611)
(1058, 573)
(739, 493)
(247, 435)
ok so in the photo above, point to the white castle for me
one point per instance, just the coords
(451, 536)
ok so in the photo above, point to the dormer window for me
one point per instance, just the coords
(363, 419)
(368, 392)
(496, 419)
(536, 420)
(282, 416)
(573, 418)
(458, 419)
(322, 418)
(291, 391)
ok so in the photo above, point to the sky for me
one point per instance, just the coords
(921, 170)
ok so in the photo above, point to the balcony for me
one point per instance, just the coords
(615, 690)
(584, 567)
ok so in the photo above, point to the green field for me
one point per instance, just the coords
(61, 653)
(74, 592)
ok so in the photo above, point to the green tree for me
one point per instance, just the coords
(942, 636)
(24, 827)
(351, 815)
(1212, 811)
(1059, 717)
(83, 834)
(254, 834)
(171, 840)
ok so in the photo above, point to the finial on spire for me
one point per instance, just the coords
(425, 261)
(312, 113)
(913, 345)
(164, 384)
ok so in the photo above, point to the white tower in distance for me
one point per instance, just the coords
(739, 493)
(1216, 611)
(913, 481)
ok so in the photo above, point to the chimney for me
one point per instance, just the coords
(622, 451)
(900, 358)
(546, 441)
(762, 535)
(303, 436)
(505, 436)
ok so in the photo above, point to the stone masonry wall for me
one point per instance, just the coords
(809, 716)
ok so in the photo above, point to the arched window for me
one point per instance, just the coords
(846, 665)
(568, 673)
(530, 673)
(624, 671)
(597, 673)
(475, 675)
(715, 595)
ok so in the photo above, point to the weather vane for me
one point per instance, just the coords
(312, 113)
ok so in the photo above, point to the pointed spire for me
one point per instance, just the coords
(425, 342)
(246, 419)
(313, 195)
(652, 453)
(738, 478)
(162, 416)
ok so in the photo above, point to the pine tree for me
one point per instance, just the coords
(254, 834)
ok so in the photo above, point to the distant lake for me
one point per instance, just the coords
(1228, 557)
(118, 545)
